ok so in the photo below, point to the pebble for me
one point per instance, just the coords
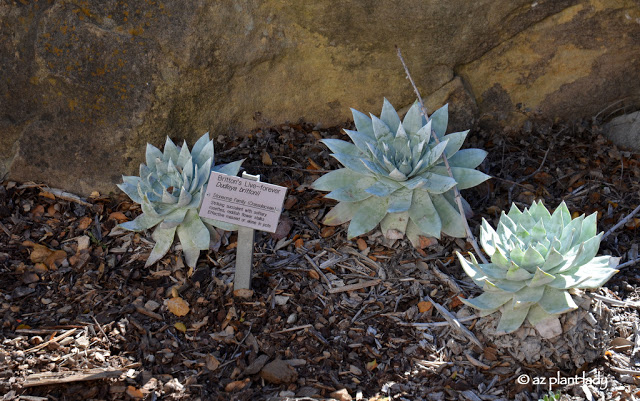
(341, 395)
(278, 372)
(258, 364)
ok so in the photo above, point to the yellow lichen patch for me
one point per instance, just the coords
(531, 66)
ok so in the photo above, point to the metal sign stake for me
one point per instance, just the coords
(244, 252)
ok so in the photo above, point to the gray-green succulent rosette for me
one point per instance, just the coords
(169, 190)
(394, 175)
(536, 258)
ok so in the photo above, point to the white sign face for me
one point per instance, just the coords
(247, 203)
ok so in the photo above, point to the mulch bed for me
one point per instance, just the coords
(81, 318)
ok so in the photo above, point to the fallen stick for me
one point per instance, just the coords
(53, 340)
(456, 191)
(455, 323)
(621, 222)
(47, 378)
(306, 326)
(353, 287)
(320, 272)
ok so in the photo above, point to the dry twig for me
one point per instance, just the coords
(621, 222)
(455, 323)
(456, 191)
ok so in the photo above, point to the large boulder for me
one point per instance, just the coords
(86, 83)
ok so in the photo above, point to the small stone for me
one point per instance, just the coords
(278, 372)
(341, 395)
(292, 318)
(281, 299)
(151, 305)
(355, 370)
(82, 342)
(258, 364)
(306, 392)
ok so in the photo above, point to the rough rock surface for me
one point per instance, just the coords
(86, 83)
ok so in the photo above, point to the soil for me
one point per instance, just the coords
(83, 319)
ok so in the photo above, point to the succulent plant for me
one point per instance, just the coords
(169, 190)
(394, 175)
(536, 257)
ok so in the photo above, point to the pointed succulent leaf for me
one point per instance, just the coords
(163, 238)
(394, 223)
(390, 116)
(383, 187)
(439, 120)
(184, 155)
(473, 270)
(455, 141)
(567, 281)
(170, 151)
(539, 212)
(400, 201)
(223, 225)
(435, 183)
(488, 238)
(368, 215)
(516, 273)
(511, 319)
(337, 179)
(499, 259)
(465, 177)
(201, 150)
(527, 296)
(353, 193)
(587, 251)
(556, 301)
(413, 120)
(363, 123)
(540, 278)
(360, 139)
(504, 285)
(340, 146)
(352, 162)
(194, 237)
(229, 168)
(537, 315)
(424, 214)
(432, 156)
(514, 213)
(142, 222)
(532, 259)
(468, 158)
(487, 301)
(588, 229)
(554, 258)
(341, 213)
(381, 129)
(373, 169)
(452, 222)
(152, 153)
(130, 187)
(174, 219)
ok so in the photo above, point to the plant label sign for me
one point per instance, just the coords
(244, 202)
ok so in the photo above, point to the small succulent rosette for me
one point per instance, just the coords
(536, 258)
(394, 175)
(169, 190)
